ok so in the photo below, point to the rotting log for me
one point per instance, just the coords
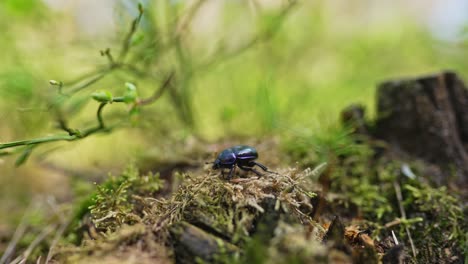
(427, 117)
(191, 242)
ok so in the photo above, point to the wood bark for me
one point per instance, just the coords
(428, 118)
(191, 242)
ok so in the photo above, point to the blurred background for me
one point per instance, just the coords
(243, 69)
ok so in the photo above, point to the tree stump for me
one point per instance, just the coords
(428, 118)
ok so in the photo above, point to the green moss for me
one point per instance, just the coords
(361, 186)
(442, 233)
(224, 209)
(309, 147)
(362, 182)
(114, 201)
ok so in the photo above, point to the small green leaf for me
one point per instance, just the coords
(102, 96)
(130, 86)
(24, 156)
(54, 82)
(131, 94)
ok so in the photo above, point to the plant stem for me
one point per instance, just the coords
(36, 141)
(100, 127)
(158, 93)
(128, 38)
(91, 81)
(99, 115)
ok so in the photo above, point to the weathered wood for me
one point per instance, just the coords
(396, 255)
(428, 118)
(191, 242)
(209, 222)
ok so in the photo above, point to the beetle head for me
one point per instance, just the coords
(215, 165)
(225, 159)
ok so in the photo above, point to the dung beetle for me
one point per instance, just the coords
(240, 156)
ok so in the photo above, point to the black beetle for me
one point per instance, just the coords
(240, 156)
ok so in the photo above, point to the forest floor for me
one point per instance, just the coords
(330, 197)
(360, 204)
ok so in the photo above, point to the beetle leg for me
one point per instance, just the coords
(231, 171)
(250, 169)
(253, 163)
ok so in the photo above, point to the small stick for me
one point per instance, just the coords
(394, 238)
(403, 214)
(19, 232)
(58, 235)
(43, 235)
(393, 223)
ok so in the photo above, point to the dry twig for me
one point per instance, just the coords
(399, 196)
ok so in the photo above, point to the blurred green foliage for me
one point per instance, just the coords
(17, 85)
(22, 7)
(314, 65)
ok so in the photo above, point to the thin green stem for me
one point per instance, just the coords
(128, 38)
(99, 115)
(260, 37)
(109, 56)
(37, 141)
(72, 136)
(158, 93)
(92, 80)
